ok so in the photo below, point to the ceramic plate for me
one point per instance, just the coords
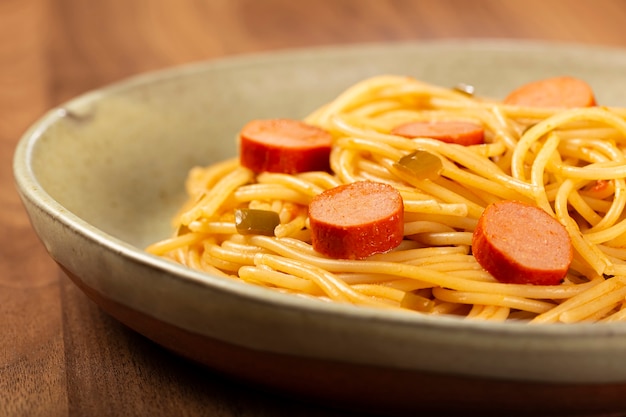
(102, 176)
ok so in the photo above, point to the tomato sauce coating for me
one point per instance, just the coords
(357, 220)
(522, 244)
(284, 146)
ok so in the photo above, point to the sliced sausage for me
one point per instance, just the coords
(357, 220)
(285, 146)
(564, 92)
(522, 244)
(450, 131)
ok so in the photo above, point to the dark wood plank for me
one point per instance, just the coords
(32, 380)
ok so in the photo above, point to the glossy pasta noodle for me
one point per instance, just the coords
(568, 162)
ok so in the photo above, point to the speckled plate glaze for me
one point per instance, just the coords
(102, 175)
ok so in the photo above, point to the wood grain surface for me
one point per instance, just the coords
(59, 354)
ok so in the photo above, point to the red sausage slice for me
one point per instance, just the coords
(522, 244)
(357, 220)
(459, 132)
(284, 145)
(565, 92)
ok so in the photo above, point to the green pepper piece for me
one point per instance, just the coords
(256, 222)
(420, 164)
(182, 230)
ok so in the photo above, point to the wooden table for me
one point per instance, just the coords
(59, 354)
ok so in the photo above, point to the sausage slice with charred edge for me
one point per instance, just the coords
(284, 146)
(357, 220)
(522, 244)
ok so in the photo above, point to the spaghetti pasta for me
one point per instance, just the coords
(568, 162)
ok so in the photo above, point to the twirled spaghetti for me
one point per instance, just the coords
(568, 162)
